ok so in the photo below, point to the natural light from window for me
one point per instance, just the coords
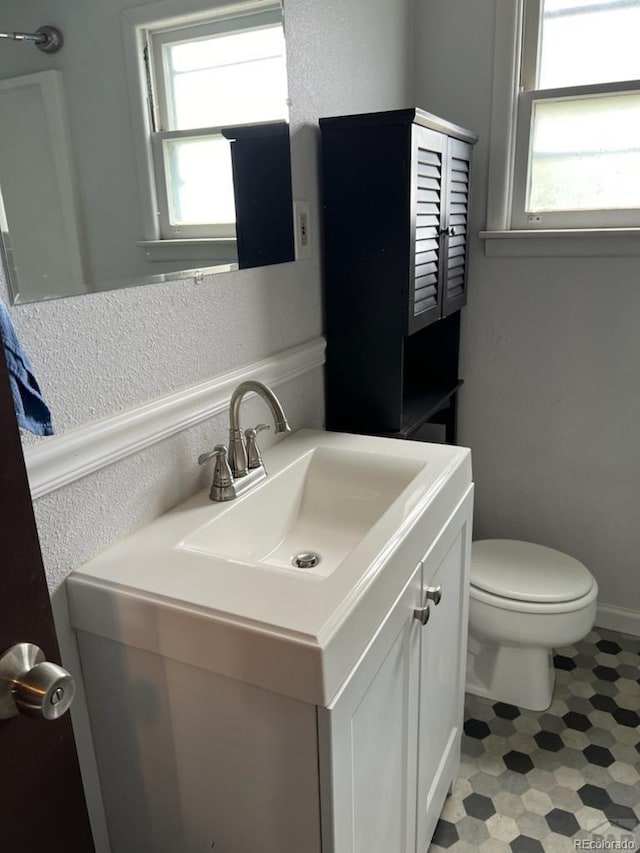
(589, 41)
(577, 159)
(199, 180)
(584, 146)
(226, 80)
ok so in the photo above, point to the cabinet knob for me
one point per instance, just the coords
(452, 231)
(422, 614)
(434, 593)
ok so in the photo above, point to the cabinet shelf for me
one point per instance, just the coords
(420, 408)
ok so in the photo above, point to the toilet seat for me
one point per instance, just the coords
(531, 578)
(540, 607)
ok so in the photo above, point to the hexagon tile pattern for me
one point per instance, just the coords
(542, 782)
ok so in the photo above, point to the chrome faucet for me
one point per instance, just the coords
(244, 453)
(237, 447)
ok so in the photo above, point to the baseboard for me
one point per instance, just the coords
(59, 460)
(618, 619)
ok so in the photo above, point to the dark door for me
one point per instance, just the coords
(42, 805)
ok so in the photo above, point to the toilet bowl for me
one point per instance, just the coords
(525, 600)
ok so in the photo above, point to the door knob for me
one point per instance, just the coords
(32, 686)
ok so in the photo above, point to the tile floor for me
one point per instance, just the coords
(559, 780)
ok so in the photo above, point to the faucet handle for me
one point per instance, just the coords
(254, 457)
(222, 488)
(217, 451)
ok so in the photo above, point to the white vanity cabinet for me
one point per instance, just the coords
(368, 739)
(390, 741)
(241, 709)
(443, 653)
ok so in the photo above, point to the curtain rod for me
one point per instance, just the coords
(47, 39)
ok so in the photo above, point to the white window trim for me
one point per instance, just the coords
(136, 22)
(501, 239)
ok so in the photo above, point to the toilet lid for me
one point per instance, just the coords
(526, 572)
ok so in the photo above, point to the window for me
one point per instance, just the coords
(203, 79)
(577, 142)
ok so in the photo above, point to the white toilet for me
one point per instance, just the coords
(525, 600)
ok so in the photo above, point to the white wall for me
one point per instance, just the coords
(550, 353)
(106, 352)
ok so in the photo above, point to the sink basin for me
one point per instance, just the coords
(321, 505)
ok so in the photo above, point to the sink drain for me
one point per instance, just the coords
(305, 560)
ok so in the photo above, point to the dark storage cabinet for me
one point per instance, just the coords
(396, 199)
(261, 166)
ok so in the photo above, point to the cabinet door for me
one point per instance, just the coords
(442, 672)
(367, 742)
(455, 245)
(427, 210)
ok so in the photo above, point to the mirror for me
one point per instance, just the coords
(154, 145)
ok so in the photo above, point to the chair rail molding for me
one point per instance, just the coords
(55, 462)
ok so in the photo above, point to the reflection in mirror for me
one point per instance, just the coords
(147, 157)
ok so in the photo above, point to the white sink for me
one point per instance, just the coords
(324, 503)
(212, 584)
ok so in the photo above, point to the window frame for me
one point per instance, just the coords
(138, 24)
(157, 37)
(517, 45)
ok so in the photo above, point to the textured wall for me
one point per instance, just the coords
(105, 352)
(551, 401)
(102, 353)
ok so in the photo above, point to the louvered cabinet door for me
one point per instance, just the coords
(455, 244)
(427, 213)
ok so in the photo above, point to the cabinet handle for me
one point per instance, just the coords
(434, 593)
(422, 614)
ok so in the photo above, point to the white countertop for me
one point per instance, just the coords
(284, 630)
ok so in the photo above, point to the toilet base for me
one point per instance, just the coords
(517, 675)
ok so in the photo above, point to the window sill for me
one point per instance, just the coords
(213, 250)
(554, 243)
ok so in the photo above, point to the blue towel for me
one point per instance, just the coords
(32, 412)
